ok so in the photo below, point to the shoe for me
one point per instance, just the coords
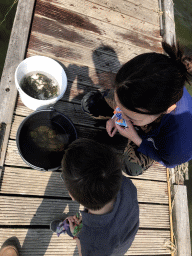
(59, 226)
(9, 250)
(94, 104)
(54, 225)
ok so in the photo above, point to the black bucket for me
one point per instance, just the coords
(42, 138)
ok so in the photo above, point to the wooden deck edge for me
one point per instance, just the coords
(181, 220)
(172, 247)
(179, 214)
(15, 54)
(169, 34)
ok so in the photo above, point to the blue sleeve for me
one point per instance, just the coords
(170, 148)
(149, 148)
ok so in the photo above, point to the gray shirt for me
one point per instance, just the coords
(114, 232)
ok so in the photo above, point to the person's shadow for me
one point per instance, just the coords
(106, 65)
(79, 83)
(102, 76)
(55, 201)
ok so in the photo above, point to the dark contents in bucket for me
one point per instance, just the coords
(39, 86)
(49, 139)
(43, 137)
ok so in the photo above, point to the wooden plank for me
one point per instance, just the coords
(33, 182)
(68, 52)
(155, 172)
(149, 194)
(44, 242)
(41, 211)
(35, 211)
(181, 220)
(154, 216)
(148, 4)
(15, 54)
(81, 75)
(170, 211)
(135, 42)
(115, 35)
(131, 9)
(169, 26)
(54, 46)
(71, 11)
(60, 27)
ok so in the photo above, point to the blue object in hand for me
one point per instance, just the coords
(120, 121)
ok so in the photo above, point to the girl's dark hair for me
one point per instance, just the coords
(153, 81)
(91, 173)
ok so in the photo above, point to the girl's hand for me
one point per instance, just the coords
(111, 127)
(129, 132)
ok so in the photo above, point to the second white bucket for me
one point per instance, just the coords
(40, 64)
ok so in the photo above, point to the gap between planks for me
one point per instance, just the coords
(28, 182)
(44, 242)
(36, 211)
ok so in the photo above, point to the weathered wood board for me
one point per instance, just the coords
(181, 220)
(43, 242)
(41, 211)
(91, 39)
(15, 54)
(75, 33)
(30, 184)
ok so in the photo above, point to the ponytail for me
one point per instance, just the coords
(153, 81)
(183, 63)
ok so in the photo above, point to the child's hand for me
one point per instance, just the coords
(111, 127)
(129, 132)
(77, 220)
(73, 222)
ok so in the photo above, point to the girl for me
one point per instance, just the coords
(150, 93)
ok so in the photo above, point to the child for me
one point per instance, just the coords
(157, 109)
(94, 179)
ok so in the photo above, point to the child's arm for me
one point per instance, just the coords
(130, 133)
(78, 246)
(73, 221)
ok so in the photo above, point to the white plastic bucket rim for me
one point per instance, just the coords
(40, 64)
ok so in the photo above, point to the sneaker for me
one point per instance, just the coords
(54, 224)
(94, 104)
(59, 227)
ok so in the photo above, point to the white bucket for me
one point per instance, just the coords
(40, 64)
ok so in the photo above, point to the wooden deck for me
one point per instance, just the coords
(91, 39)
